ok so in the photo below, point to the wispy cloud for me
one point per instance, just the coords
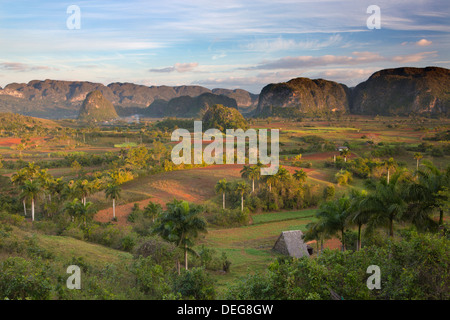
(415, 57)
(281, 44)
(325, 60)
(312, 61)
(178, 67)
(21, 67)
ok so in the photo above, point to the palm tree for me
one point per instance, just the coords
(333, 216)
(56, 188)
(180, 224)
(241, 189)
(84, 188)
(283, 174)
(222, 186)
(357, 214)
(345, 153)
(389, 164)
(428, 194)
(30, 190)
(18, 179)
(45, 180)
(418, 156)
(79, 210)
(152, 210)
(31, 171)
(112, 191)
(271, 180)
(300, 175)
(252, 173)
(315, 231)
(387, 202)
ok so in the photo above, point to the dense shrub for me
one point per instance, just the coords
(22, 279)
(151, 278)
(343, 177)
(195, 284)
(160, 251)
(416, 267)
(229, 218)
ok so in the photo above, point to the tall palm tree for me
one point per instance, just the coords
(300, 175)
(181, 224)
(427, 195)
(56, 188)
(30, 190)
(389, 165)
(222, 186)
(32, 170)
(18, 179)
(271, 180)
(85, 188)
(283, 174)
(315, 231)
(152, 210)
(386, 203)
(241, 189)
(333, 216)
(112, 191)
(357, 214)
(45, 179)
(252, 173)
(80, 211)
(418, 156)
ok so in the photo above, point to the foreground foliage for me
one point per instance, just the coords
(416, 267)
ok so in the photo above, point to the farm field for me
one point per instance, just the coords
(136, 157)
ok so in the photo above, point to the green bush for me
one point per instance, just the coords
(22, 279)
(416, 267)
(195, 284)
(160, 251)
(151, 278)
(230, 218)
(343, 177)
(329, 192)
(129, 241)
(109, 235)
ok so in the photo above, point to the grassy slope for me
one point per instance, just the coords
(66, 248)
(249, 248)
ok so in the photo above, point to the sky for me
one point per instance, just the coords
(218, 44)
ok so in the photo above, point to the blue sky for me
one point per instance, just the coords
(218, 44)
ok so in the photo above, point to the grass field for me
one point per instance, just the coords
(249, 248)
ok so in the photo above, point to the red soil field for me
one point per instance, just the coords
(8, 142)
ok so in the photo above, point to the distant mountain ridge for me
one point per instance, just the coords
(59, 99)
(188, 107)
(398, 91)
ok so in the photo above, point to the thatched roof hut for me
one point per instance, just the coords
(291, 243)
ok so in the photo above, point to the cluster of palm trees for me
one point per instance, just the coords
(253, 173)
(224, 187)
(404, 197)
(34, 183)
